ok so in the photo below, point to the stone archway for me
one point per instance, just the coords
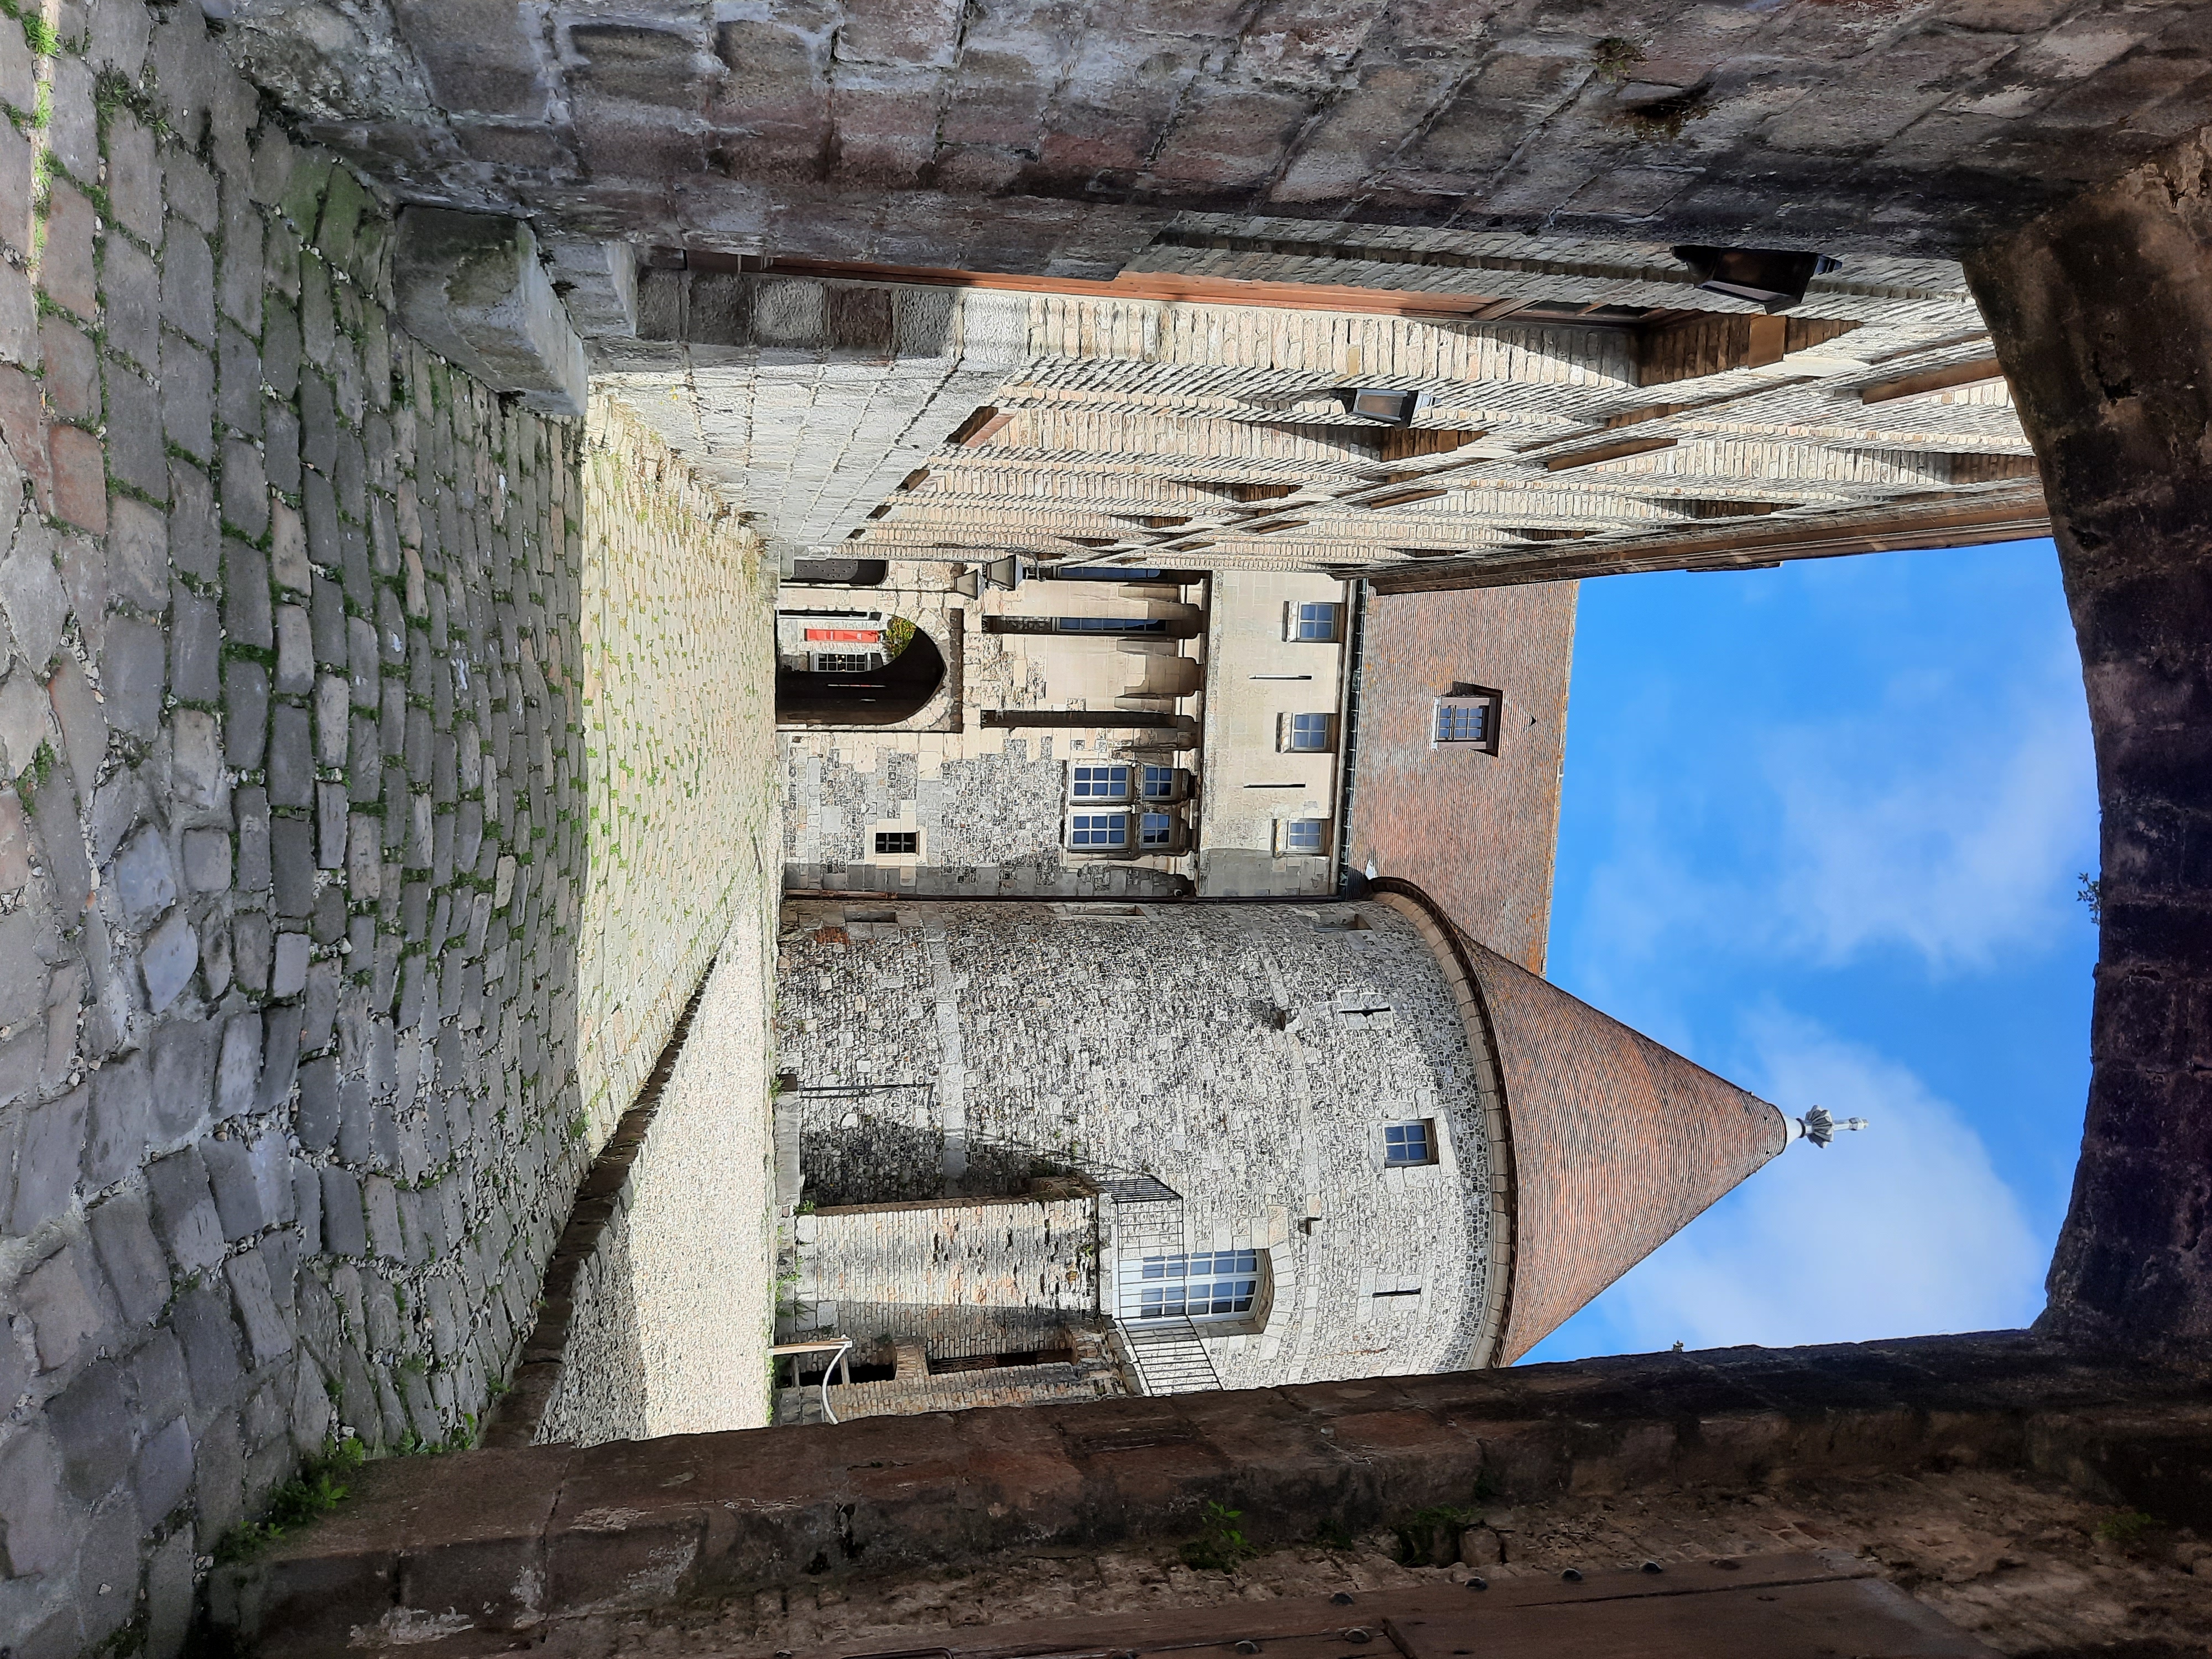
(884, 693)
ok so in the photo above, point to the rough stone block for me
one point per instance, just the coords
(32, 1503)
(318, 1105)
(237, 1067)
(194, 532)
(131, 675)
(240, 294)
(91, 1421)
(171, 952)
(471, 287)
(72, 369)
(246, 713)
(183, 1210)
(296, 656)
(239, 370)
(345, 1230)
(134, 177)
(84, 726)
(267, 1334)
(188, 398)
(131, 1255)
(162, 1476)
(292, 865)
(195, 648)
(66, 266)
(120, 1121)
(198, 789)
(207, 859)
(46, 1161)
(18, 180)
(26, 720)
(79, 478)
(145, 881)
(67, 1301)
(209, 1339)
(287, 975)
(291, 757)
(137, 554)
(187, 275)
(245, 488)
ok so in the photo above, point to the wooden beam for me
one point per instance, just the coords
(1934, 379)
(1608, 453)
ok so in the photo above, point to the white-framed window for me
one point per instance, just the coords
(1468, 719)
(1098, 782)
(1307, 733)
(1098, 832)
(1158, 782)
(1305, 835)
(1316, 622)
(1203, 1284)
(1155, 830)
(843, 662)
(1405, 1145)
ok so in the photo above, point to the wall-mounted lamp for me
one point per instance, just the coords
(1004, 573)
(1773, 277)
(1376, 402)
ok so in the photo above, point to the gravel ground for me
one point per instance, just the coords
(673, 1313)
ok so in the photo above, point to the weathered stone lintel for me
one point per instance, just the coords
(511, 1540)
(471, 287)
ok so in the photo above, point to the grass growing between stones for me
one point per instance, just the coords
(1220, 1545)
(319, 1488)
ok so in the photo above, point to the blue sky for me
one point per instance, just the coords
(1821, 832)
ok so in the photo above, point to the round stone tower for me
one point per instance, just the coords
(1314, 1141)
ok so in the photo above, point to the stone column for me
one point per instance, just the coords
(2102, 313)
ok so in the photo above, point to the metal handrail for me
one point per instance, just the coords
(843, 1345)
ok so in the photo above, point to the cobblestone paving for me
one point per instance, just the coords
(304, 968)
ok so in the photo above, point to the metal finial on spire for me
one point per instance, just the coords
(1819, 1128)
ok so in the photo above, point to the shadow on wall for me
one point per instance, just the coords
(897, 691)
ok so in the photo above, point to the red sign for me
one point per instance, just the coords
(857, 635)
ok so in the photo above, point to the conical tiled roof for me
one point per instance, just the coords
(1617, 1143)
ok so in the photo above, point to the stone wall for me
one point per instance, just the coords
(677, 701)
(295, 859)
(2101, 312)
(979, 1277)
(1126, 1038)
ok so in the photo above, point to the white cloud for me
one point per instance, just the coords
(1946, 821)
(1904, 1229)
(1962, 847)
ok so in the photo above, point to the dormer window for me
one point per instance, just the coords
(1469, 718)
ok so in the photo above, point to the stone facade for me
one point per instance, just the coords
(980, 774)
(306, 956)
(1201, 412)
(1151, 1038)
(1050, 141)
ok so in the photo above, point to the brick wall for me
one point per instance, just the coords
(293, 865)
(1476, 832)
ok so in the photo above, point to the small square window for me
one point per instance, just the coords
(1159, 782)
(842, 662)
(1155, 830)
(1099, 782)
(1304, 835)
(897, 841)
(1469, 719)
(1408, 1143)
(1315, 622)
(1098, 830)
(1308, 731)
